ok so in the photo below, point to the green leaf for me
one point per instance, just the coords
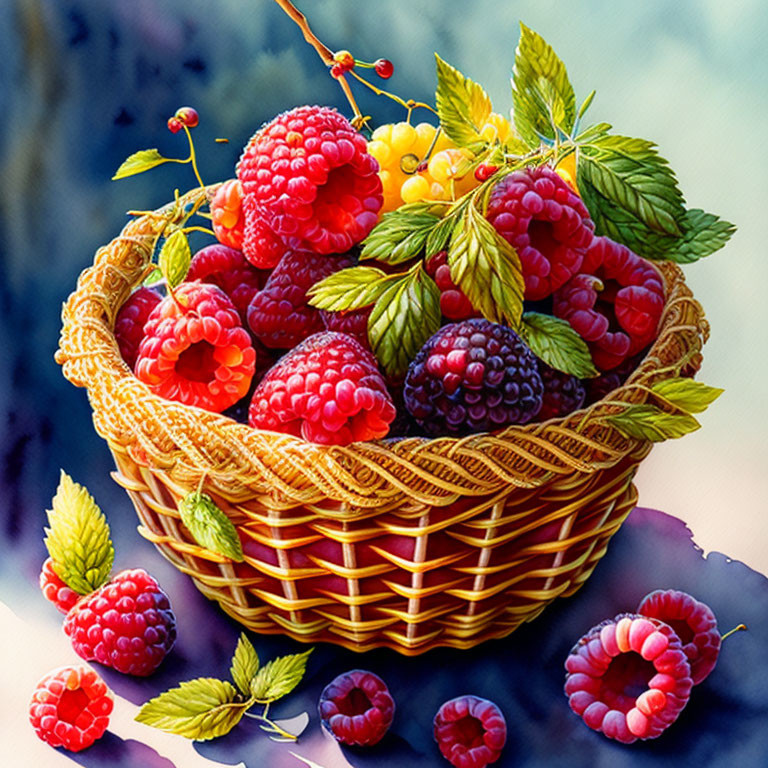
(348, 289)
(462, 105)
(198, 709)
(154, 277)
(78, 538)
(647, 422)
(406, 314)
(400, 235)
(631, 175)
(554, 341)
(440, 235)
(542, 95)
(702, 234)
(175, 258)
(487, 269)
(245, 664)
(692, 396)
(279, 677)
(139, 162)
(209, 526)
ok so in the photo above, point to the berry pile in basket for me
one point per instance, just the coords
(422, 278)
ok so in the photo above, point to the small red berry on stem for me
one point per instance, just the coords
(174, 125)
(384, 68)
(485, 171)
(187, 116)
(344, 60)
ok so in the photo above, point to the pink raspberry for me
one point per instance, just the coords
(195, 349)
(453, 301)
(127, 624)
(70, 708)
(279, 315)
(327, 390)
(546, 222)
(55, 590)
(129, 324)
(357, 708)
(354, 323)
(309, 180)
(628, 677)
(227, 216)
(470, 731)
(693, 621)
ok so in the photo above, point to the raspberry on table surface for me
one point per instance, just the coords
(470, 731)
(55, 590)
(130, 320)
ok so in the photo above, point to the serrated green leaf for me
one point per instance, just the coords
(199, 709)
(647, 422)
(175, 258)
(593, 132)
(406, 314)
(279, 677)
(209, 526)
(542, 95)
(702, 234)
(692, 396)
(487, 269)
(348, 289)
(462, 105)
(245, 664)
(78, 539)
(139, 162)
(400, 235)
(440, 235)
(554, 341)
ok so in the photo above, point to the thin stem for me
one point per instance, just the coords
(409, 105)
(200, 229)
(740, 628)
(192, 157)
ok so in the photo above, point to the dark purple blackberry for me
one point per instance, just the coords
(606, 382)
(563, 393)
(473, 376)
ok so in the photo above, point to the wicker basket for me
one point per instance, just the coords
(405, 543)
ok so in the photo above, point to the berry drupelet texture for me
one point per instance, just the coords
(55, 590)
(563, 393)
(129, 324)
(470, 731)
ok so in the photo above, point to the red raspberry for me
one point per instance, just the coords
(628, 677)
(357, 708)
(227, 214)
(453, 301)
(196, 351)
(127, 624)
(615, 305)
(70, 708)
(693, 621)
(279, 315)
(312, 181)
(129, 324)
(470, 731)
(354, 323)
(328, 390)
(261, 246)
(546, 222)
(228, 269)
(55, 590)
(563, 393)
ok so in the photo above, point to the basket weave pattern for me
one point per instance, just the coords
(407, 543)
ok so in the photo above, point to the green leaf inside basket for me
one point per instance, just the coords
(209, 526)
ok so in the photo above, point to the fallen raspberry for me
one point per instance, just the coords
(563, 393)
(354, 323)
(227, 217)
(546, 222)
(470, 732)
(357, 708)
(70, 708)
(453, 302)
(310, 181)
(127, 624)
(195, 349)
(129, 324)
(327, 390)
(628, 677)
(279, 315)
(693, 621)
(55, 590)
(473, 376)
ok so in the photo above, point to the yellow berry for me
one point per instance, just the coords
(383, 133)
(438, 191)
(403, 137)
(566, 170)
(381, 151)
(448, 164)
(425, 135)
(500, 124)
(414, 189)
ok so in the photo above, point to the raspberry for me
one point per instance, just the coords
(228, 269)
(546, 222)
(470, 731)
(473, 376)
(354, 323)
(563, 393)
(357, 708)
(328, 390)
(55, 590)
(195, 349)
(261, 246)
(628, 677)
(227, 215)
(279, 315)
(693, 621)
(615, 305)
(70, 708)
(127, 624)
(129, 324)
(311, 180)
(454, 303)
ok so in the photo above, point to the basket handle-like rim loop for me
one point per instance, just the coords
(240, 461)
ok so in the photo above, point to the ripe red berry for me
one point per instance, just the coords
(130, 320)
(55, 590)
(187, 116)
(353, 322)
(337, 71)
(344, 60)
(454, 303)
(470, 731)
(70, 708)
(485, 171)
(227, 215)
(174, 124)
(384, 68)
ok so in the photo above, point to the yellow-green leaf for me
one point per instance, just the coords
(209, 526)
(279, 677)
(692, 396)
(400, 235)
(554, 341)
(462, 105)
(245, 664)
(139, 162)
(348, 289)
(647, 422)
(175, 258)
